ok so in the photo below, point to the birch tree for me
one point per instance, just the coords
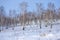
(51, 8)
(23, 7)
(39, 11)
(2, 16)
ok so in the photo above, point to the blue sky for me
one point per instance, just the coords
(14, 4)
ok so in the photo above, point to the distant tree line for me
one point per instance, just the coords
(5, 20)
(24, 18)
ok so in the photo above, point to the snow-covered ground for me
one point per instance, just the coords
(31, 32)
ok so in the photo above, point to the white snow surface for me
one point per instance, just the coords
(31, 32)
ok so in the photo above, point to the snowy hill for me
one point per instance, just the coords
(31, 32)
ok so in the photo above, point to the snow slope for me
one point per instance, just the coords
(31, 32)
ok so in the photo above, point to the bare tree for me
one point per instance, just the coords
(2, 16)
(51, 9)
(39, 11)
(23, 7)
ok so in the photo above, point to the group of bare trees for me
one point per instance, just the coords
(47, 15)
(5, 20)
